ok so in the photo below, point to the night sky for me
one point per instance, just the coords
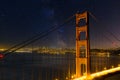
(21, 19)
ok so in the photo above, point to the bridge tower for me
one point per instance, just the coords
(82, 45)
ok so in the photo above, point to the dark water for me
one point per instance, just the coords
(99, 63)
(49, 67)
(36, 67)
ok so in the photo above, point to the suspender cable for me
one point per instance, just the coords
(105, 30)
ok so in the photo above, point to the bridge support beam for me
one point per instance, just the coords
(82, 45)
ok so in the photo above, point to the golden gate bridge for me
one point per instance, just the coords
(83, 59)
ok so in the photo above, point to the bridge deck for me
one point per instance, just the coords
(99, 74)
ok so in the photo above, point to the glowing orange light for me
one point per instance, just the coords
(1, 56)
(104, 72)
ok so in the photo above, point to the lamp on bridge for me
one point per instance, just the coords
(1, 56)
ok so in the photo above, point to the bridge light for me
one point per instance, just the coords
(73, 76)
(118, 65)
(105, 68)
(66, 78)
(112, 66)
(84, 73)
(56, 79)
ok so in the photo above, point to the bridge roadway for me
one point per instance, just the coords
(100, 75)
